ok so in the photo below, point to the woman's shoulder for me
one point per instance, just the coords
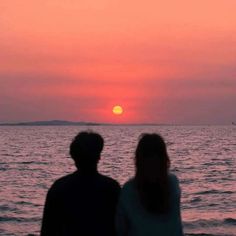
(173, 178)
(174, 183)
(128, 185)
(128, 188)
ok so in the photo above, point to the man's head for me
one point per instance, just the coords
(85, 149)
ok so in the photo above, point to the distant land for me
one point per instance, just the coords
(48, 123)
(83, 123)
(64, 123)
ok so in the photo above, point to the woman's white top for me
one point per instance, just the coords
(133, 219)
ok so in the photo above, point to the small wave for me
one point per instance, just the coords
(230, 221)
(210, 223)
(27, 203)
(170, 143)
(18, 219)
(204, 234)
(32, 162)
(212, 204)
(196, 199)
(200, 234)
(7, 155)
(4, 168)
(207, 234)
(26, 162)
(213, 191)
(6, 219)
(7, 208)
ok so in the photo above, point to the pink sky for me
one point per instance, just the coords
(163, 61)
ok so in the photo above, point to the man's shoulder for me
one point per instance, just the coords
(62, 182)
(67, 183)
(66, 178)
(109, 181)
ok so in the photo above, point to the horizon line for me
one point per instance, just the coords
(56, 122)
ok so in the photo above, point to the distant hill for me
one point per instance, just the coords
(75, 123)
(49, 123)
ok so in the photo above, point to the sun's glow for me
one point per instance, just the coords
(117, 110)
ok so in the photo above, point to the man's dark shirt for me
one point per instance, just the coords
(81, 204)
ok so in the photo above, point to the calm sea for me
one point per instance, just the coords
(203, 157)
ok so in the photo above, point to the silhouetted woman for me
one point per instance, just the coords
(149, 203)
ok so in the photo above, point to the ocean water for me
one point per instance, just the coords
(203, 157)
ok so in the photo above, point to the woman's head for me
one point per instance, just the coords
(151, 156)
(152, 164)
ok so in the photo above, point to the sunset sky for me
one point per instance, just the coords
(171, 61)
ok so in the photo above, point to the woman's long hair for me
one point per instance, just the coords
(151, 178)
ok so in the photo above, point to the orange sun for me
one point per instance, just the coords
(117, 110)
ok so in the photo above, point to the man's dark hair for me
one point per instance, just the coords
(86, 148)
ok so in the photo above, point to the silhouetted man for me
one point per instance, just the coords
(82, 203)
